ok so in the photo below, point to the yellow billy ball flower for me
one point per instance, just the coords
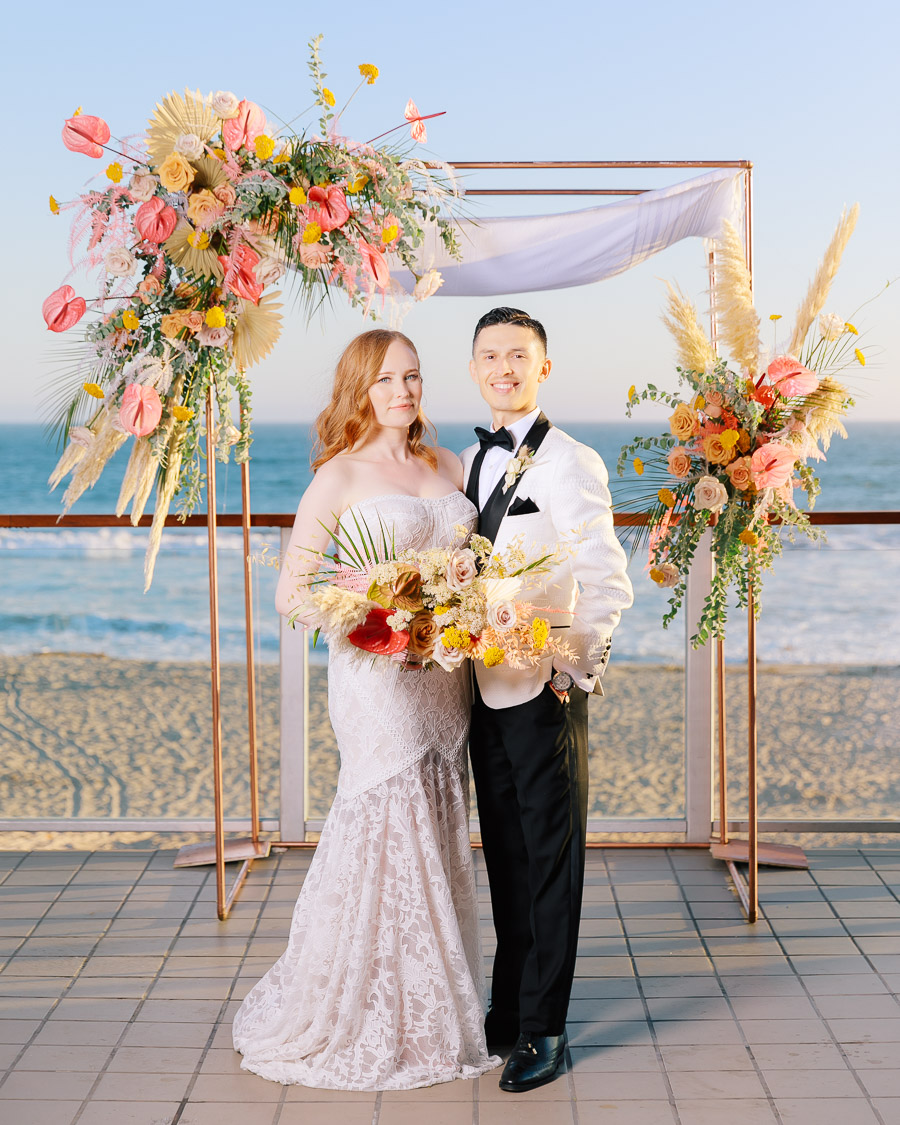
(215, 317)
(774, 316)
(748, 538)
(94, 390)
(114, 172)
(327, 96)
(860, 357)
(54, 206)
(454, 637)
(493, 656)
(729, 438)
(389, 233)
(312, 233)
(369, 72)
(699, 402)
(540, 630)
(657, 575)
(182, 413)
(631, 392)
(666, 496)
(264, 146)
(638, 466)
(851, 328)
(199, 239)
(130, 320)
(297, 196)
(219, 153)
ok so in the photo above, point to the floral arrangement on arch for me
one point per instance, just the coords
(440, 606)
(198, 219)
(742, 433)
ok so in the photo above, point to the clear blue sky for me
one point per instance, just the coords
(807, 92)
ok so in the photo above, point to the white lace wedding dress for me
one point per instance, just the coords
(381, 985)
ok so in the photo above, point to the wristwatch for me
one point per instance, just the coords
(561, 682)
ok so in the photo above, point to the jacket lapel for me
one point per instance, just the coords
(499, 501)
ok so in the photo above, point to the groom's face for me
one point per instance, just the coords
(508, 364)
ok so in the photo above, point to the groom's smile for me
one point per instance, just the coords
(508, 364)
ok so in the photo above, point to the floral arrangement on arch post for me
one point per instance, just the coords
(742, 433)
(198, 219)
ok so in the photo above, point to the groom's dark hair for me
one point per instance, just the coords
(506, 315)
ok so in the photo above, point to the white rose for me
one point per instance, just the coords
(447, 658)
(268, 271)
(831, 326)
(710, 494)
(669, 573)
(427, 285)
(461, 569)
(501, 616)
(142, 186)
(214, 337)
(81, 435)
(190, 146)
(119, 262)
(225, 104)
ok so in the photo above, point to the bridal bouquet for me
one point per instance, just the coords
(435, 607)
(742, 432)
(195, 223)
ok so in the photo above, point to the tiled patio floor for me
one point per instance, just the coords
(119, 986)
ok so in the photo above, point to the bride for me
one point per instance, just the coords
(381, 985)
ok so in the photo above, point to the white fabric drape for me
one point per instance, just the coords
(520, 255)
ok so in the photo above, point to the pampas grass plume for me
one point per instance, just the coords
(817, 294)
(738, 322)
(694, 349)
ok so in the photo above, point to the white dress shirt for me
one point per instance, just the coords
(493, 469)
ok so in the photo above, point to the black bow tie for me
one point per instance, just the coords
(501, 437)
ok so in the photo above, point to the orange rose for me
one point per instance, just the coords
(225, 194)
(739, 474)
(204, 208)
(423, 634)
(715, 451)
(684, 422)
(679, 461)
(149, 288)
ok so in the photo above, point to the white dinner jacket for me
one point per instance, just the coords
(568, 484)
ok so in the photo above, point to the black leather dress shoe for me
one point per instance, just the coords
(500, 1030)
(534, 1062)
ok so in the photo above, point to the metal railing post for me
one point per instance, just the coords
(699, 721)
(294, 725)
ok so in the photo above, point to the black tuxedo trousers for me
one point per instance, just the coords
(531, 780)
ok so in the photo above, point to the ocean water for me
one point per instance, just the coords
(80, 589)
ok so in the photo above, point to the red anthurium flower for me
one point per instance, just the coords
(765, 395)
(85, 134)
(242, 267)
(155, 220)
(373, 261)
(375, 635)
(62, 309)
(243, 130)
(327, 207)
(141, 410)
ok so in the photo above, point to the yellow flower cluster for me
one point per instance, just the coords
(666, 496)
(283, 157)
(264, 146)
(130, 320)
(389, 233)
(454, 637)
(114, 172)
(638, 466)
(199, 239)
(312, 233)
(54, 206)
(327, 96)
(182, 413)
(493, 656)
(657, 575)
(749, 538)
(369, 72)
(356, 184)
(215, 317)
(540, 631)
(94, 390)
(297, 196)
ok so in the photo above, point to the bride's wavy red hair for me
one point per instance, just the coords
(349, 418)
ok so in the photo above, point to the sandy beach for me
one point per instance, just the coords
(95, 737)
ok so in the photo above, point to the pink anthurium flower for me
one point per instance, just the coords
(417, 130)
(85, 134)
(240, 272)
(772, 465)
(141, 410)
(374, 262)
(62, 309)
(327, 207)
(243, 129)
(790, 377)
(155, 220)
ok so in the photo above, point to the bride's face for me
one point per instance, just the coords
(397, 391)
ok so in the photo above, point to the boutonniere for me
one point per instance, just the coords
(517, 465)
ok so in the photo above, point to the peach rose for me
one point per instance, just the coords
(214, 337)
(204, 208)
(423, 633)
(679, 461)
(142, 187)
(739, 474)
(175, 173)
(269, 271)
(149, 288)
(715, 452)
(684, 422)
(461, 569)
(313, 255)
(119, 262)
(225, 194)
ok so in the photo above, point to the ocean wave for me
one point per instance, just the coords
(83, 541)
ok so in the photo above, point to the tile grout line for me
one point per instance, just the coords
(74, 977)
(219, 1021)
(718, 977)
(640, 988)
(149, 989)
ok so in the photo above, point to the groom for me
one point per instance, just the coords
(528, 742)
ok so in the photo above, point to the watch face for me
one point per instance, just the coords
(562, 681)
